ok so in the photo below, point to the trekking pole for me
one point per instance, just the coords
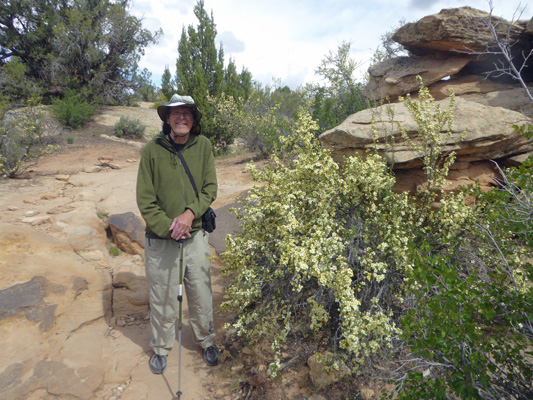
(180, 301)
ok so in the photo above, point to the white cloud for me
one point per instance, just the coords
(287, 39)
(230, 43)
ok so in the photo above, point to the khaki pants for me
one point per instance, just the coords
(162, 274)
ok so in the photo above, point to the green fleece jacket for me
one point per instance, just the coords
(164, 190)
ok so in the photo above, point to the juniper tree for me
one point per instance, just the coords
(89, 45)
(200, 72)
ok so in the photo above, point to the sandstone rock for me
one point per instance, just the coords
(237, 367)
(80, 226)
(440, 42)
(63, 178)
(517, 160)
(529, 27)
(461, 174)
(397, 76)
(82, 239)
(134, 143)
(28, 298)
(93, 169)
(34, 221)
(480, 90)
(108, 165)
(450, 51)
(454, 30)
(513, 99)
(50, 300)
(367, 393)
(479, 133)
(128, 232)
(130, 291)
(320, 377)
(467, 85)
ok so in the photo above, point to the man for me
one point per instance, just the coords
(173, 215)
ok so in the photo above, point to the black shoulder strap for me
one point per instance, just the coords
(187, 170)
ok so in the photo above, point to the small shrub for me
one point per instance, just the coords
(129, 128)
(25, 135)
(15, 84)
(72, 111)
(114, 251)
(102, 214)
(70, 139)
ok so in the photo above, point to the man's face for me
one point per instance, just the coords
(180, 119)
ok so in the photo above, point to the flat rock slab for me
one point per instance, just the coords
(479, 132)
(28, 298)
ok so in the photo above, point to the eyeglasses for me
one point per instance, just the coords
(184, 114)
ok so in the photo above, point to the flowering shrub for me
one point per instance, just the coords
(323, 246)
(292, 261)
(330, 251)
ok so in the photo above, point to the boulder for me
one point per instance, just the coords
(480, 90)
(397, 76)
(479, 133)
(466, 85)
(323, 377)
(518, 160)
(482, 173)
(454, 43)
(130, 290)
(461, 29)
(128, 232)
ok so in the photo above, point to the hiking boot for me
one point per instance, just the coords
(211, 355)
(158, 364)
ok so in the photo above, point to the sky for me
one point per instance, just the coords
(286, 40)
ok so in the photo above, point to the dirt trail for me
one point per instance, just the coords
(90, 145)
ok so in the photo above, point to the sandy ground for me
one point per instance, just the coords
(95, 142)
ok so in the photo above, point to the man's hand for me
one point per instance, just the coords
(181, 225)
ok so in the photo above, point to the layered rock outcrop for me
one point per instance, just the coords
(451, 51)
(454, 43)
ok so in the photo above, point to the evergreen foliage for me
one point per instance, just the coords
(200, 73)
(15, 86)
(72, 111)
(167, 84)
(144, 87)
